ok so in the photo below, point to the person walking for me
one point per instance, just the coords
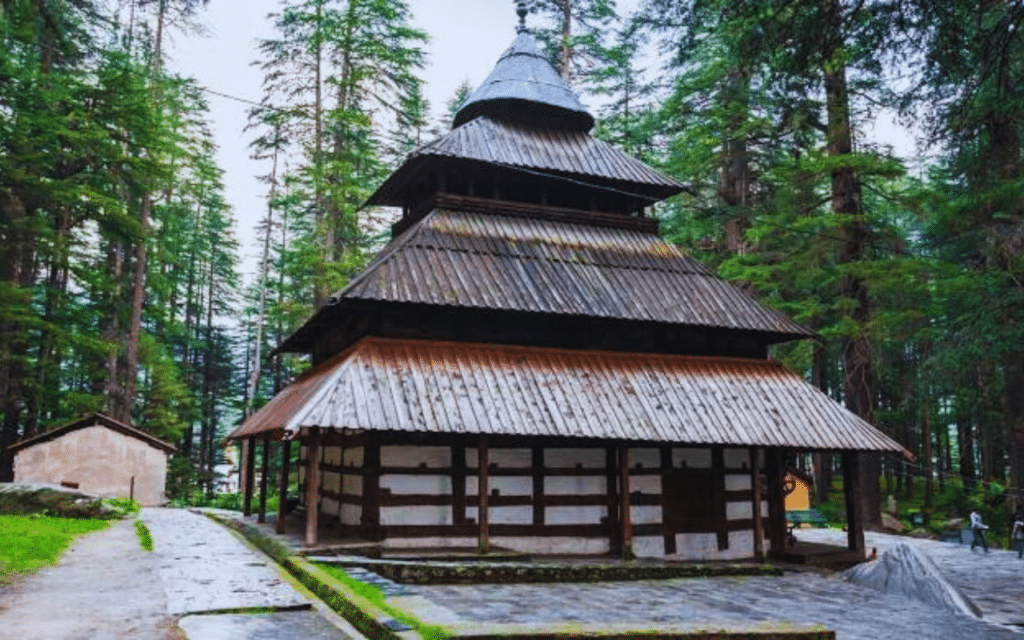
(978, 527)
(1017, 535)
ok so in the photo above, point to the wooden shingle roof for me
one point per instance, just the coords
(485, 261)
(552, 151)
(467, 388)
(524, 85)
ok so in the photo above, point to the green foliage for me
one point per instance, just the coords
(28, 543)
(364, 54)
(126, 506)
(145, 538)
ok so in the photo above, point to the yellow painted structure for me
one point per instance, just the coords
(799, 499)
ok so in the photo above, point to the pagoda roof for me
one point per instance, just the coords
(515, 263)
(531, 148)
(420, 386)
(524, 86)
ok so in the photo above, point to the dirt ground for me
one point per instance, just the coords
(106, 587)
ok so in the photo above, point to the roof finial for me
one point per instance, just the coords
(521, 11)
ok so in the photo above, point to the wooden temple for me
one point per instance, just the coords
(528, 365)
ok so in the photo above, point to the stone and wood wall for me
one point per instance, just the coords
(546, 496)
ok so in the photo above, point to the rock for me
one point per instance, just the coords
(922, 533)
(905, 570)
(890, 523)
(953, 524)
(891, 506)
(25, 499)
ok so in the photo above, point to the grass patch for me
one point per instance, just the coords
(145, 538)
(124, 506)
(376, 597)
(30, 542)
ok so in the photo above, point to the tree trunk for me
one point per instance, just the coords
(111, 334)
(131, 357)
(567, 41)
(320, 292)
(734, 171)
(16, 242)
(254, 378)
(858, 371)
(1014, 407)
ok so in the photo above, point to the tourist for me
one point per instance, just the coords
(978, 527)
(1017, 535)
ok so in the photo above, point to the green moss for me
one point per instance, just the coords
(145, 538)
(360, 604)
(376, 597)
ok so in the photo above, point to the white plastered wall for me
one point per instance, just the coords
(99, 460)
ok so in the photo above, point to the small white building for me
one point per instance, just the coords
(99, 455)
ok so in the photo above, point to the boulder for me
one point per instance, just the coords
(891, 506)
(905, 570)
(890, 523)
(954, 524)
(53, 500)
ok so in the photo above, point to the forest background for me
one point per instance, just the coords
(119, 269)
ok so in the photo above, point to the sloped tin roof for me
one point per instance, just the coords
(90, 420)
(524, 85)
(466, 259)
(446, 387)
(510, 144)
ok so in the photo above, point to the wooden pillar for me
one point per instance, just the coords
(537, 462)
(483, 492)
(718, 478)
(313, 488)
(370, 519)
(612, 484)
(668, 532)
(459, 482)
(854, 515)
(264, 472)
(776, 501)
(624, 510)
(755, 486)
(282, 504)
(249, 462)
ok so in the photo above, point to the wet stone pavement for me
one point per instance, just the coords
(204, 567)
(994, 581)
(209, 574)
(800, 598)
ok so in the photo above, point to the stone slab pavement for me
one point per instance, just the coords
(205, 568)
(804, 598)
(993, 581)
(106, 587)
(279, 625)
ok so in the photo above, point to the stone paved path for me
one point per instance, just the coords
(801, 598)
(104, 588)
(204, 567)
(994, 581)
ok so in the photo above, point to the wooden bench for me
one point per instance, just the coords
(798, 517)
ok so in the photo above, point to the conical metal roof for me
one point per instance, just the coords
(524, 87)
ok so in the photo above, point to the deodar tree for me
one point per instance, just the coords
(337, 71)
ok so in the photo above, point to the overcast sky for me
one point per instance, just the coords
(466, 38)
